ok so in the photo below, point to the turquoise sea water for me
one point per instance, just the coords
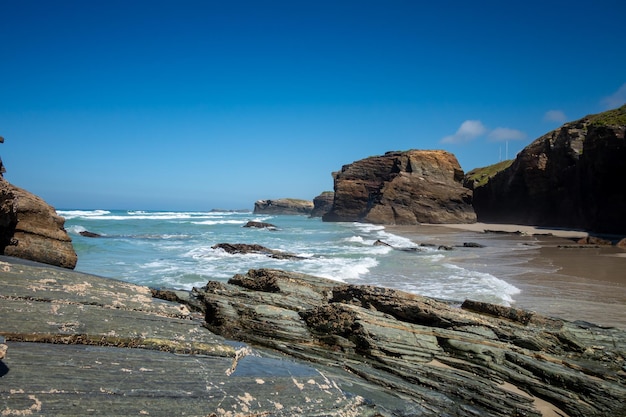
(174, 250)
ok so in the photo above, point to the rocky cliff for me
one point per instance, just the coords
(283, 206)
(322, 204)
(571, 177)
(31, 229)
(410, 187)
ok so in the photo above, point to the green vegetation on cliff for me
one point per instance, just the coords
(609, 118)
(480, 176)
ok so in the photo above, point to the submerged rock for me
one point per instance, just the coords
(244, 248)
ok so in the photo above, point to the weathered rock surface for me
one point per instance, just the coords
(425, 357)
(84, 345)
(571, 177)
(31, 229)
(245, 248)
(260, 225)
(322, 204)
(283, 206)
(409, 187)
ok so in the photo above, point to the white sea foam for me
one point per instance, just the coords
(72, 214)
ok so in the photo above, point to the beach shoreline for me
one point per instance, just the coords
(557, 277)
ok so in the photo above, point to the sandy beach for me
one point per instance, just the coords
(556, 276)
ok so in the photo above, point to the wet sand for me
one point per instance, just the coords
(557, 277)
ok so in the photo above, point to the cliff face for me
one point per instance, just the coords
(570, 177)
(322, 203)
(283, 206)
(31, 229)
(409, 187)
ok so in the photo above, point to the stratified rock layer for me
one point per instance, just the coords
(426, 357)
(283, 206)
(31, 229)
(571, 177)
(409, 187)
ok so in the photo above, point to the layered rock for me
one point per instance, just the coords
(411, 187)
(425, 357)
(571, 177)
(31, 229)
(283, 206)
(322, 204)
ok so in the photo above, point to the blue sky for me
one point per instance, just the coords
(193, 105)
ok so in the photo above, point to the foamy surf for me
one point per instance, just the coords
(174, 249)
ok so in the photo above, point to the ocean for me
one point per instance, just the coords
(166, 249)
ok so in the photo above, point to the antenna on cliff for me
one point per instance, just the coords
(507, 150)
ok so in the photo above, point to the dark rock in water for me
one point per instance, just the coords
(244, 248)
(403, 249)
(445, 247)
(409, 187)
(473, 245)
(87, 233)
(31, 229)
(259, 225)
(322, 204)
(425, 357)
(283, 206)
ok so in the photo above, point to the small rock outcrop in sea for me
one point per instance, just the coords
(426, 357)
(410, 187)
(571, 177)
(283, 206)
(260, 225)
(322, 204)
(31, 229)
(245, 248)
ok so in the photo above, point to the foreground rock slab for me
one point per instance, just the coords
(424, 357)
(83, 345)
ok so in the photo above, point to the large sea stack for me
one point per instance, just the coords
(571, 177)
(410, 187)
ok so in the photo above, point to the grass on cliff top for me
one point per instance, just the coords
(480, 176)
(609, 118)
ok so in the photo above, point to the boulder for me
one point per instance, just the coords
(283, 206)
(322, 204)
(570, 177)
(410, 187)
(31, 229)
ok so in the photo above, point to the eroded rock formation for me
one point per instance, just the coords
(427, 358)
(571, 177)
(31, 229)
(283, 206)
(411, 187)
(322, 204)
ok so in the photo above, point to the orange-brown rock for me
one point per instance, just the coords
(411, 187)
(31, 229)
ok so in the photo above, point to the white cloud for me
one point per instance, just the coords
(501, 134)
(616, 99)
(469, 129)
(555, 116)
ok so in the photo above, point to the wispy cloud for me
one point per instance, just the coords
(470, 129)
(501, 134)
(555, 116)
(616, 99)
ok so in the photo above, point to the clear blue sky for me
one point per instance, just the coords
(193, 105)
